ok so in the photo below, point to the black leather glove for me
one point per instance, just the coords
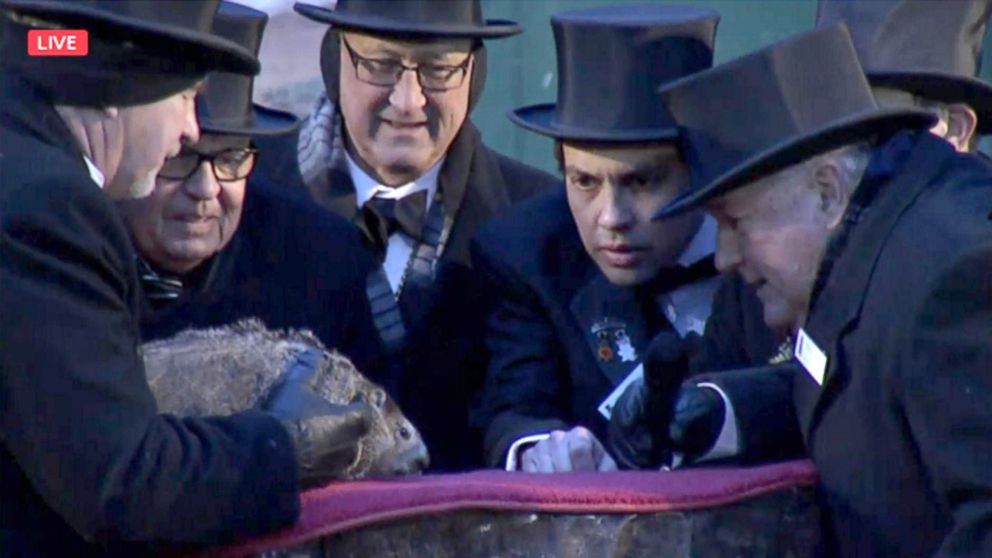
(634, 434)
(325, 435)
(657, 416)
(696, 422)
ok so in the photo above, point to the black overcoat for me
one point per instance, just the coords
(901, 427)
(87, 466)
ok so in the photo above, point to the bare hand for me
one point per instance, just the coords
(564, 452)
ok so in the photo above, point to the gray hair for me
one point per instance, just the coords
(851, 159)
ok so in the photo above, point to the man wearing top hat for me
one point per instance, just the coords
(872, 240)
(582, 277)
(926, 54)
(915, 53)
(213, 250)
(391, 148)
(87, 466)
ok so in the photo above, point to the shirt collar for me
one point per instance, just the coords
(702, 245)
(95, 173)
(367, 187)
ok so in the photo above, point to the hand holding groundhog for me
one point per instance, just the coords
(343, 426)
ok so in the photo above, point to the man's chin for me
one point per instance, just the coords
(185, 258)
(624, 277)
(408, 167)
(779, 320)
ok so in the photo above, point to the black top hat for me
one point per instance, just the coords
(139, 51)
(775, 108)
(610, 63)
(930, 48)
(225, 107)
(183, 27)
(437, 18)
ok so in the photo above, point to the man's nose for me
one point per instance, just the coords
(728, 252)
(203, 185)
(407, 95)
(617, 213)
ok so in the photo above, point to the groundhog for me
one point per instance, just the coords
(225, 370)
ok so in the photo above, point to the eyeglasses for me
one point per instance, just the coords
(387, 73)
(228, 165)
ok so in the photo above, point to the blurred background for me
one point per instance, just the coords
(521, 68)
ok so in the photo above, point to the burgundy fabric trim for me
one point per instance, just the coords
(351, 505)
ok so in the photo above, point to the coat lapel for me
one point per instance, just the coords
(613, 325)
(834, 312)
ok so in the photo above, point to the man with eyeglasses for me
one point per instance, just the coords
(213, 250)
(391, 148)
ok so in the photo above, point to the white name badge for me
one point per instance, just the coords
(811, 357)
(606, 407)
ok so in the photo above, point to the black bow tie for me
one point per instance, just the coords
(384, 216)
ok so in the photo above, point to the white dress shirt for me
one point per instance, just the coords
(95, 173)
(400, 245)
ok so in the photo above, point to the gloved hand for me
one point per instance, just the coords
(325, 435)
(657, 416)
(696, 422)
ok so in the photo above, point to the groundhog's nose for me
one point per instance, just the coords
(420, 460)
(412, 461)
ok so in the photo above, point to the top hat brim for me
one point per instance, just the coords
(493, 28)
(217, 53)
(541, 119)
(260, 121)
(881, 122)
(946, 88)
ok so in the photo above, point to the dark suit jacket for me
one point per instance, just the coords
(85, 461)
(901, 429)
(440, 364)
(736, 335)
(552, 303)
(291, 266)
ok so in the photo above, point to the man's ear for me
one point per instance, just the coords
(832, 192)
(961, 124)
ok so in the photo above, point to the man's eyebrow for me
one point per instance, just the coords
(380, 52)
(648, 169)
(430, 55)
(572, 170)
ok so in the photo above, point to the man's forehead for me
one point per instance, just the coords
(407, 46)
(635, 155)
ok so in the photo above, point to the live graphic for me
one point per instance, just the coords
(58, 42)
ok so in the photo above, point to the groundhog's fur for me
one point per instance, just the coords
(225, 370)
